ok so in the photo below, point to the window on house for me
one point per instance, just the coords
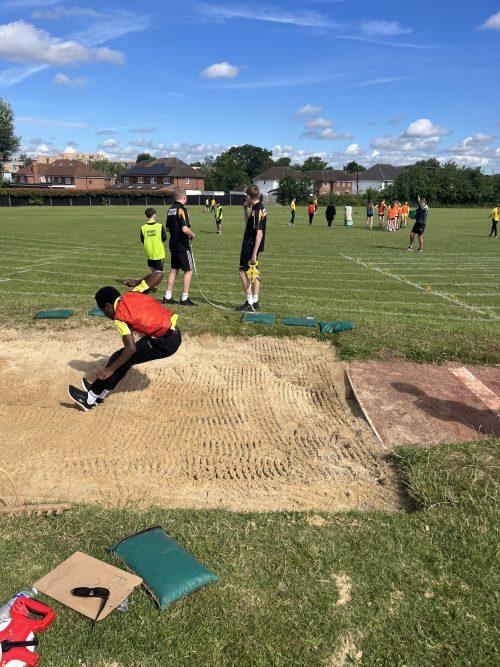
(166, 181)
(140, 179)
(186, 180)
(126, 179)
(67, 180)
(152, 179)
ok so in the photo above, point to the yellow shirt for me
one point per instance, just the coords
(292, 205)
(495, 214)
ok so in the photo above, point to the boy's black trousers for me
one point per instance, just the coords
(494, 224)
(148, 349)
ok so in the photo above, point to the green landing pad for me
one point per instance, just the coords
(336, 327)
(259, 318)
(61, 314)
(300, 321)
(96, 312)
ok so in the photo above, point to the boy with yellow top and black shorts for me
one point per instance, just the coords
(253, 243)
(131, 312)
(153, 236)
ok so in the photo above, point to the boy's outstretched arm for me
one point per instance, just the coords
(126, 354)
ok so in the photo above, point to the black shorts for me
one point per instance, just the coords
(246, 255)
(418, 229)
(181, 259)
(156, 264)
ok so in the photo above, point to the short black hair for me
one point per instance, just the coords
(149, 212)
(106, 295)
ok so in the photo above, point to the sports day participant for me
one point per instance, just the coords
(311, 210)
(405, 211)
(381, 213)
(152, 235)
(293, 207)
(218, 218)
(348, 215)
(330, 213)
(495, 219)
(392, 217)
(254, 238)
(370, 211)
(419, 227)
(131, 312)
(179, 228)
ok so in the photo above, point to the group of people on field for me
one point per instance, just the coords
(212, 206)
(390, 216)
(136, 311)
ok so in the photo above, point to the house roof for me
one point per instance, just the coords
(167, 166)
(381, 172)
(73, 168)
(277, 173)
(328, 175)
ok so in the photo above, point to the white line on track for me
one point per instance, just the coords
(429, 289)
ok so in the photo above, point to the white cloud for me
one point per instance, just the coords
(307, 110)
(65, 80)
(318, 122)
(423, 127)
(268, 14)
(109, 143)
(404, 144)
(143, 130)
(385, 28)
(69, 150)
(353, 149)
(381, 80)
(493, 23)
(327, 134)
(22, 42)
(49, 122)
(63, 12)
(222, 70)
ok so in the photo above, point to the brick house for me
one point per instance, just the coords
(162, 174)
(330, 181)
(68, 174)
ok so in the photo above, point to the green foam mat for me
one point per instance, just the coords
(96, 312)
(259, 318)
(300, 321)
(336, 327)
(61, 314)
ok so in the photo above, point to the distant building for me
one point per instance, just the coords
(162, 174)
(70, 154)
(378, 177)
(8, 169)
(269, 179)
(69, 174)
(329, 181)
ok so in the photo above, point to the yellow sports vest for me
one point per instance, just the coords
(153, 245)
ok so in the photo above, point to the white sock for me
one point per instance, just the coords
(249, 298)
(255, 298)
(103, 394)
(91, 398)
(168, 295)
(185, 296)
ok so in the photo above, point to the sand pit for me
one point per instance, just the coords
(260, 424)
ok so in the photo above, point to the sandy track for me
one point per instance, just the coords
(258, 424)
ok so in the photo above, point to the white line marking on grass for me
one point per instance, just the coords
(423, 288)
(31, 267)
(484, 393)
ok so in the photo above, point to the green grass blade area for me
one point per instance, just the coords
(442, 304)
(413, 588)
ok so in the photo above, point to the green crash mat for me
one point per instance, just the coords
(259, 318)
(300, 321)
(61, 314)
(336, 327)
(96, 312)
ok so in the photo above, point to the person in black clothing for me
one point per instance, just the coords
(253, 244)
(419, 227)
(330, 213)
(179, 228)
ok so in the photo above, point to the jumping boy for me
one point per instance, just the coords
(218, 218)
(131, 312)
(419, 227)
(153, 236)
(179, 228)
(293, 207)
(381, 213)
(254, 238)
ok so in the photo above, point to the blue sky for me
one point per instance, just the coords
(371, 80)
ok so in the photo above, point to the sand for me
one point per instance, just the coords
(244, 424)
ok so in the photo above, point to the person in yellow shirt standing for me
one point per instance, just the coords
(293, 208)
(153, 236)
(495, 218)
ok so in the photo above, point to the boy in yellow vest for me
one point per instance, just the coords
(153, 236)
(495, 219)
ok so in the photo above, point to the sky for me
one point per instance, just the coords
(369, 80)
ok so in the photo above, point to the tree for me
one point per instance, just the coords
(354, 168)
(290, 187)
(142, 157)
(313, 163)
(108, 168)
(9, 143)
(283, 162)
(225, 173)
(25, 159)
(250, 159)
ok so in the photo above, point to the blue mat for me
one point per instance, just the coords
(259, 318)
(96, 312)
(61, 314)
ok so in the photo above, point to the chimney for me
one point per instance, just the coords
(36, 172)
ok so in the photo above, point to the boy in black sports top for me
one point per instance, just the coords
(179, 228)
(253, 244)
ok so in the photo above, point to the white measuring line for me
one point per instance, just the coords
(484, 393)
(28, 268)
(442, 295)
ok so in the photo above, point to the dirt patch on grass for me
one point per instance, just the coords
(258, 424)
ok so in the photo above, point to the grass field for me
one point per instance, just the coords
(442, 304)
(410, 588)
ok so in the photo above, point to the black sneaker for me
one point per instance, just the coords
(165, 300)
(187, 302)
(79, 397)
(87, 384)
(244, 307)
(256, 306)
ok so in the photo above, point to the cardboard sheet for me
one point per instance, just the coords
(83, 570)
